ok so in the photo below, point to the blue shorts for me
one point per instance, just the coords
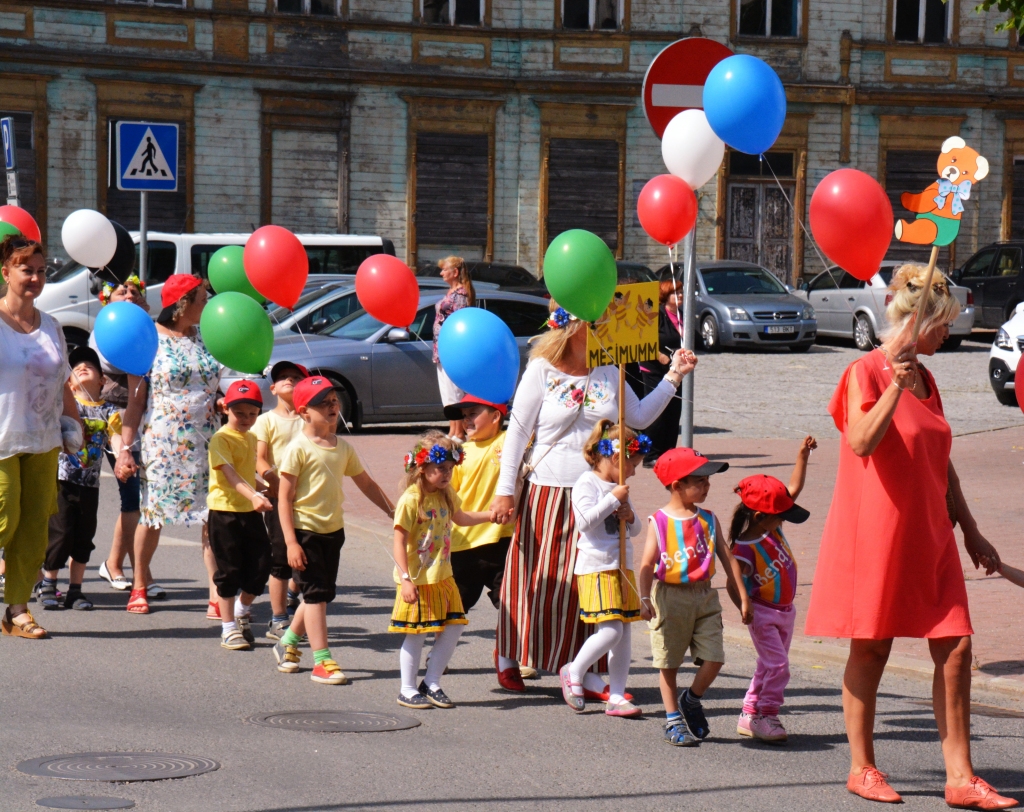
(131, 490)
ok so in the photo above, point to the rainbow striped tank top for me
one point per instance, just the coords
(770, 575)
(686, 547)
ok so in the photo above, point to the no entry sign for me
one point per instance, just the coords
(675, 79)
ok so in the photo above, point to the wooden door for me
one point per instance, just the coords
(759, 226)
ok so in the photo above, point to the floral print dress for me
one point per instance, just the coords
(180, 419)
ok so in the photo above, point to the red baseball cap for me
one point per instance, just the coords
(243, 392)
(766, 494)
(454, 410)
(282, 367)
(677, 463)
(177, 286)
(311, 391)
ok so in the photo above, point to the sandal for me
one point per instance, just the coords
(137, 603)
(118, 582)
(28, 629)
(573, 700)
(46, 594)
(213, 611)
(76, 600)
(156, 592)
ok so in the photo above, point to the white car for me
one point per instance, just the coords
(1004, 355)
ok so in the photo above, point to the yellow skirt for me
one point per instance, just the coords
(602, 598)
(438, 605)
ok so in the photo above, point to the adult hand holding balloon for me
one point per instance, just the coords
(25, 223)
(237, 332)
(126, 337)
(745, 103)
(852, 221)
(580, 273)
(479, 354)
(690, 148)
(226, 272)
(387, 289)
(89, 238)
(667, 208)
(276, 264)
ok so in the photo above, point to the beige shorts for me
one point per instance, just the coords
(686, 617)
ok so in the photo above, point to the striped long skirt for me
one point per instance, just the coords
(539, 620)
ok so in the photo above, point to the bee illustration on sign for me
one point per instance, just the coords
(627, 332)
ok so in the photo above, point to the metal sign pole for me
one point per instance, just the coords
(689, 306)
(143, 268)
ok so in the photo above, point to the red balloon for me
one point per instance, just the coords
(387, 288)
(667, 209)
(851, 219)
(1019, 376)
(21, 220)
(276, 264)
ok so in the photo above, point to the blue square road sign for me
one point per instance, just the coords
(7, 130)
(147, 156)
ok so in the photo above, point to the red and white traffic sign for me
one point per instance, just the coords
(675, 79)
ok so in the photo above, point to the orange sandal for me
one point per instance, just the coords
(137, 603)
(28, 629)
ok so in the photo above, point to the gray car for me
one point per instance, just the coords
(386, 373)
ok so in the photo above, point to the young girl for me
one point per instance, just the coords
(427, 598)
(599, 502)
(769, 578)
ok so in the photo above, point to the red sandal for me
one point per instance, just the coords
(137, 603)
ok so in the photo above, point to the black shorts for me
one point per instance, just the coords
(317, 582)
(480, 568)
(279, 567)
(241, 548)
(73, 526)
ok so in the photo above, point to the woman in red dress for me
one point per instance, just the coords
(888, 565)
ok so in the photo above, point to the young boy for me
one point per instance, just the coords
(683, 610)
(313, 522)
(73, 526)
(274, 430)
(238, 535)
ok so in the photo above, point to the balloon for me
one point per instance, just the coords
(237, 332)
(851, 219)
(126, 337)
(745, 103)
(9, 230)
(1017, 377)
(89, 238)
(690, 148)
(387, 288)
(122, 264)
(667, 208)
(479, 354)
(21, 220)
(580, 273)
(227, 272)
(276, 264)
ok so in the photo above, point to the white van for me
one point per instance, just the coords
(70, 294)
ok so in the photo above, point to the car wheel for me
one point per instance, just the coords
(951, 343)
(1008, 397)
(348, 421)
(800, 347)
(75, 338)
(709, 334)
(863, 334)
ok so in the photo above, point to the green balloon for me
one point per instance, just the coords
(580, 273)
(237, 332)
(6, 229)
(227, 273)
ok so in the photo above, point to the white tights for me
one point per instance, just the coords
(612, 638)
(441, 652)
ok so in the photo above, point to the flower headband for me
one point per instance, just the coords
(436, 454)
(560, 318)
(640, 443)
(108, 289)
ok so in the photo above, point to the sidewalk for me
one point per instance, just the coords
(989, 466)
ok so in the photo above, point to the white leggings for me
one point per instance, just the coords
(612, 638)
(441, 652)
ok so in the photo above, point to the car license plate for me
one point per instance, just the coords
(780, 329)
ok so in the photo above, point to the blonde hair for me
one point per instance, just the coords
(907, 288)
(553, 345)
(464, 279)
(414, 478)
(605, 429)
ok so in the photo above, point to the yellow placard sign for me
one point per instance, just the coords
(628, 330)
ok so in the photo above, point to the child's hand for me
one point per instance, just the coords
(273, 481)
(646, 609)
(625, 512)
(746, 612)
(806, 447)
(621, 492)
(296, 558)
(410, 593)
(260, 503)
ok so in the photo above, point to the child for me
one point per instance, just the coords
(73, 526)
(769, 579)
(427, 599)
(1012, 574)
(274, 430)
(683, 610)
(313, 521)
(598, 503)
(238, 534)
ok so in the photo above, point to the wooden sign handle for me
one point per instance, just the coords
(923, 301)
(622, 467)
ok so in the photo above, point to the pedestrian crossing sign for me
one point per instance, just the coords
(147, 156)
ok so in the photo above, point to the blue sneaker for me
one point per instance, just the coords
(693, 713)
(676, 734)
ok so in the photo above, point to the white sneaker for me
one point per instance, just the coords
(120, 582)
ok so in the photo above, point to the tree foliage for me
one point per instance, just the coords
(1013, 8)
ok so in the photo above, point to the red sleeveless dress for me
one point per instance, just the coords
(888, 565)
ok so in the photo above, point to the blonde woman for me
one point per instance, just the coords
(558, 402)
(460, 294)
(888, 564)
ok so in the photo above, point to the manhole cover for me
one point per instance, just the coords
(117, 767)
(991, 711)
(334, 721)
(86, 802)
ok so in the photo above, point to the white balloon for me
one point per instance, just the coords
(89, 238)
(690, 148)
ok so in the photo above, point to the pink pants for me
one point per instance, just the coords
(772, 632)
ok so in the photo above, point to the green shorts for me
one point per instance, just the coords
(948, 228)
(687, 616)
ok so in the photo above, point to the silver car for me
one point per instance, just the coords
(386, 373)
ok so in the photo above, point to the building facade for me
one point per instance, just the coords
(486, 127)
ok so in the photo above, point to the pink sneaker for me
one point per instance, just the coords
(768, 729)
(744, 722)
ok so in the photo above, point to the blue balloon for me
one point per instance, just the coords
(126, 337)
(745, 103)
(479, 354)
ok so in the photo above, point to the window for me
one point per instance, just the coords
(824, 281)
(523, 319)
(452, 194)
(591, 15)
(167, 211)
(1007, 263)
(452, 12)
(741, 281)
(321, 318)
(978, 266)
(921, 21)
(1016, 204)
(24, 143)
(742, 164)
(336, 259)
(319, 7)
(162, 260)
(158, 3)
(850, 282)
(583, 188)
(769, 18)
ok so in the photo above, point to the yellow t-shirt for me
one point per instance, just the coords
(474, 480)
(277, 432)
(428, 547)
(318, 489)
(230, 447)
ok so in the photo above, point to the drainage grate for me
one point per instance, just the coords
(117, 766)
(86, 802)
(334, 721)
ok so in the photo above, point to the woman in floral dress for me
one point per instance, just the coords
(460, 294)
(176, 406)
